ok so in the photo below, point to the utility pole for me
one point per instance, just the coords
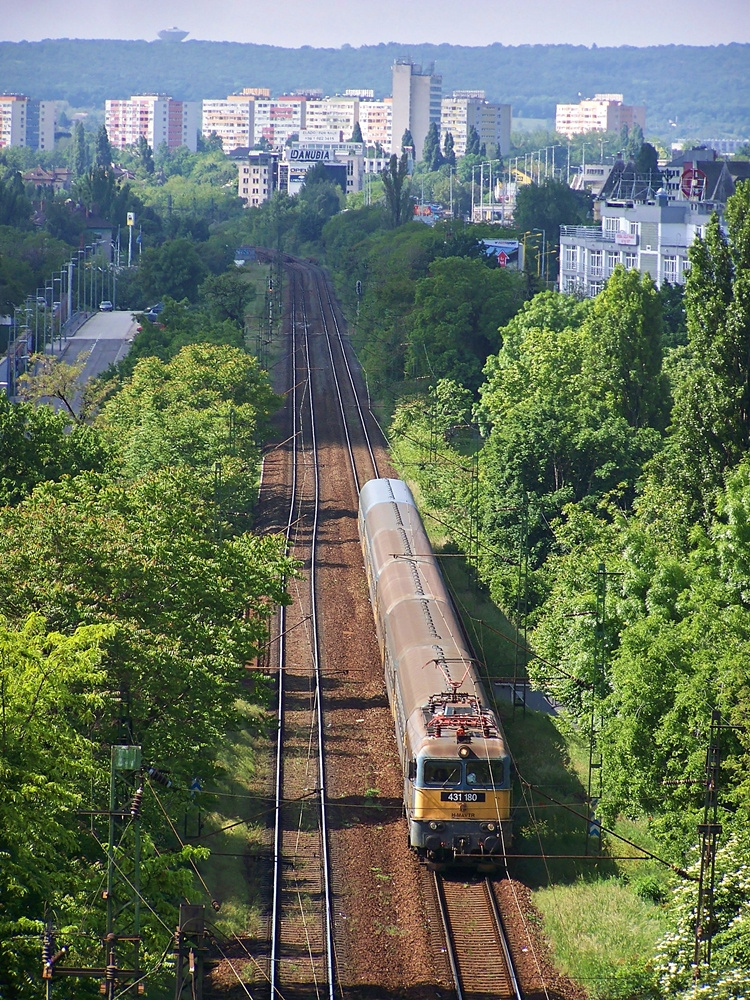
(593, 826)
(709, 830)
(190, 953)
(122, 939)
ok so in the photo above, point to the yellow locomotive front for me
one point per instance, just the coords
(458, 796)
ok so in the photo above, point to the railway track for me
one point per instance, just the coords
(332, 447)
(476, 944)
(301, 921)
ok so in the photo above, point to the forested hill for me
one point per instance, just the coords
(705, 90)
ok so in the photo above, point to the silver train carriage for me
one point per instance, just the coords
(455, 761)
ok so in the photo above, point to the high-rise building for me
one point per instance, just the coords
(602, 113)
(332, 114)
(24, 122)
(278, 119)
(416, 104)
(376, 123)
(160, 119)
(232, 120)
(465, 109)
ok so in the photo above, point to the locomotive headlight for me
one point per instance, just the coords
(433, 825)
(464, 752)
(491, 827)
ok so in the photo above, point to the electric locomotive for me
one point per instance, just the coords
(454, 758)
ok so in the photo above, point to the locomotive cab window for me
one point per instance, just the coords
(442, 772)
(480, 773)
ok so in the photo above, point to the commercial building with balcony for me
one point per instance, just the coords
(652, 237)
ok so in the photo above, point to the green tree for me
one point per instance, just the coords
(431, 153)
(15, 207)
(397, 190)
(52, 685)
(145, 155)
(407, 141)
(229, 295)
(103, 156)
(457, 311)
(473, 144)
(449, 155)
(80, 151)
(710, 430)
(647, 165)
(546, 207)
(624, 329)
(174, 269)
(356, 133)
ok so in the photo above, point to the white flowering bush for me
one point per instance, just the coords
(728, 977)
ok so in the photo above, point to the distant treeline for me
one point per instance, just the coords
(704, 91)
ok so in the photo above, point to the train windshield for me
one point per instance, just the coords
(442, 772)
(482, 773)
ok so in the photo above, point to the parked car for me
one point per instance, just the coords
(152, 313)
(106, 306)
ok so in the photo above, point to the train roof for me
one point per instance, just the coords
(384, 491)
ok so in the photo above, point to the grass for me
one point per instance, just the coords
(602, 935)
(234, 829)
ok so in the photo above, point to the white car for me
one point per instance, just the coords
(106, 306)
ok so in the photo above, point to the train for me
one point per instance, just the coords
(454, 756)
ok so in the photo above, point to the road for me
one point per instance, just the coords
(107, 336)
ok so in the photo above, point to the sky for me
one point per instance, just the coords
(333, 23)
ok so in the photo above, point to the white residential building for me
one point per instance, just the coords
(25, 122)
(602, 113)
(160, 119)
(464, 109)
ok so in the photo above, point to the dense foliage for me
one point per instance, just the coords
(607, 456)
(133, 597)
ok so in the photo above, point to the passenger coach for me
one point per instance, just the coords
(455, 762)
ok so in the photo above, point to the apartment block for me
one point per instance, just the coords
(278, 119)
(25, 122)
(417, 99)
(232, 120)
(257, 176)
(602, 113)
(376, 122)
(332, 115)
(464, 109)
(160, 119)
